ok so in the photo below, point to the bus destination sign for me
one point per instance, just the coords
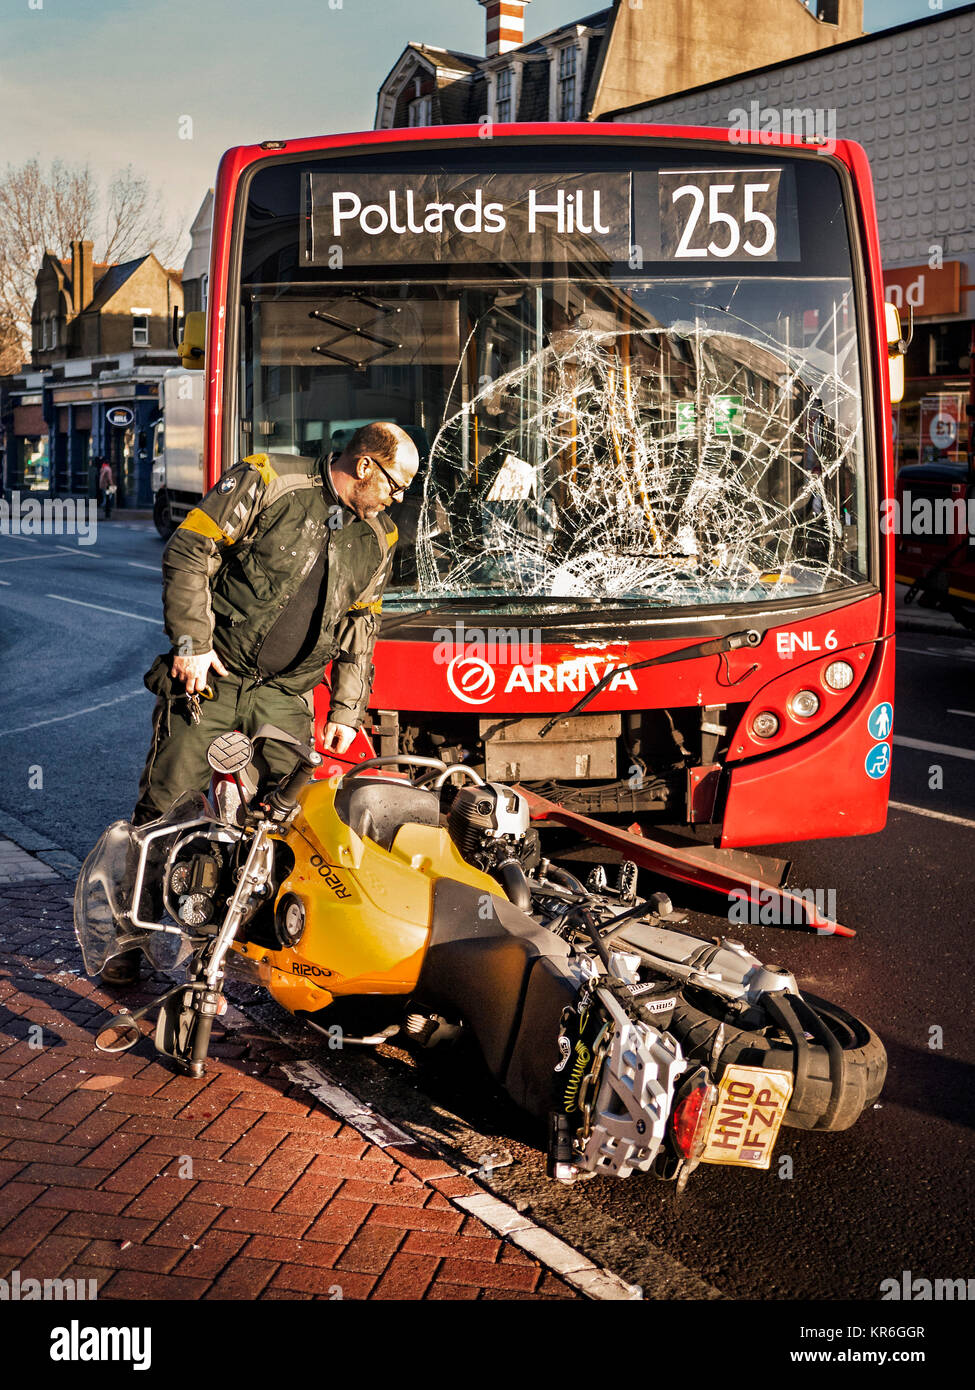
(678, 216)
(466, 218)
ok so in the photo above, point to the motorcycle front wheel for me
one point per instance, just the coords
(840, 1073)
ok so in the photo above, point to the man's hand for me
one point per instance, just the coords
(337, 738)
(194, 670)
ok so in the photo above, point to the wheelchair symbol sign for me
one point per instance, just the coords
(881, 720)
(878, 760)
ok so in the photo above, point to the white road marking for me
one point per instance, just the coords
(935, 815)
(137, 565)
(79, 550)
(102, 609)
(936, 747)
(19, 559)
(15, 536)
(75, 714)
(970, 713)
(5, 583)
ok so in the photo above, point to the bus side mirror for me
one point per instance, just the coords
(896, 351)
(191, 347)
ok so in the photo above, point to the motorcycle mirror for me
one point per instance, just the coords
(119, 1035)
(230, 753)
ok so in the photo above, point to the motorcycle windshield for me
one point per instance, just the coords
(104, 895)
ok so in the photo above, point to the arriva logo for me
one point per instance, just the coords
(473, 680)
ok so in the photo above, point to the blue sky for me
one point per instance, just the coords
(108, 81)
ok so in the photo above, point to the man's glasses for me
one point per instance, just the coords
(397, 491)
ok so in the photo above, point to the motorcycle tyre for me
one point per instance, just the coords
(863, 1071)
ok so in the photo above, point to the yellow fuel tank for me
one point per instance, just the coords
(368, 911)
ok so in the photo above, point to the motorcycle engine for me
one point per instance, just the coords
(490, 825)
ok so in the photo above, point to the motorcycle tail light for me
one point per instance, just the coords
(689, 1121)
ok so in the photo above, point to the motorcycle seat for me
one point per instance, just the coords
(378, 809)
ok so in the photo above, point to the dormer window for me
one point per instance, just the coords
(503, 101)
(568, 62)
(420, 110)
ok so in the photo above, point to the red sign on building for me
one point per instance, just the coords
(929, 292)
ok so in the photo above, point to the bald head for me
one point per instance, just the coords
(375, 468)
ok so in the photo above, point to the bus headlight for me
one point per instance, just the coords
(804, 705)
(838, 675)
(765, 725)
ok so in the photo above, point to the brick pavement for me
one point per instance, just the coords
(236, 1186)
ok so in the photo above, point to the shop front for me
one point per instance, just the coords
(28, 458)
(87, 422)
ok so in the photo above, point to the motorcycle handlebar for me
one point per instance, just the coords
(284, 798)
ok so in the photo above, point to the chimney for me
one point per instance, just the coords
(505, 25)
(82, 275)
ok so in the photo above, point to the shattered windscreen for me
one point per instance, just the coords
(633, 388)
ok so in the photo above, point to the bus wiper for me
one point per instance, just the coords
(487, 602)
(749, 638)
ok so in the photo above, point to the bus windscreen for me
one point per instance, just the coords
(633, 376)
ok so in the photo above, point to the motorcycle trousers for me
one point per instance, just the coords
(177, 759)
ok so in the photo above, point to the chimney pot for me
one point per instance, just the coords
(82, 275)
(504, 25)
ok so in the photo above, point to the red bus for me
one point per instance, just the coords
(646, 369)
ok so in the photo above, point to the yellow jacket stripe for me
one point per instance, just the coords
(204, 525)
(263, 465)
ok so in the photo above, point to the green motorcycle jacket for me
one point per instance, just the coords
(239, 558)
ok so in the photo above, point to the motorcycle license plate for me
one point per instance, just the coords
(745, 1121)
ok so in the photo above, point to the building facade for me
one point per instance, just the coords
(101, 338)
(632, 50)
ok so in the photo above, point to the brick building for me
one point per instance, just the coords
(100, 342)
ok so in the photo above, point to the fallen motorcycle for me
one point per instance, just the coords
(387, 908)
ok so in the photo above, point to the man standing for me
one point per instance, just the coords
(279, 571)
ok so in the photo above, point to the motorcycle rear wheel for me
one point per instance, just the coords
(830, 1100)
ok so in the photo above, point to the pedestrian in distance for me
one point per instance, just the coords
(106, 487)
